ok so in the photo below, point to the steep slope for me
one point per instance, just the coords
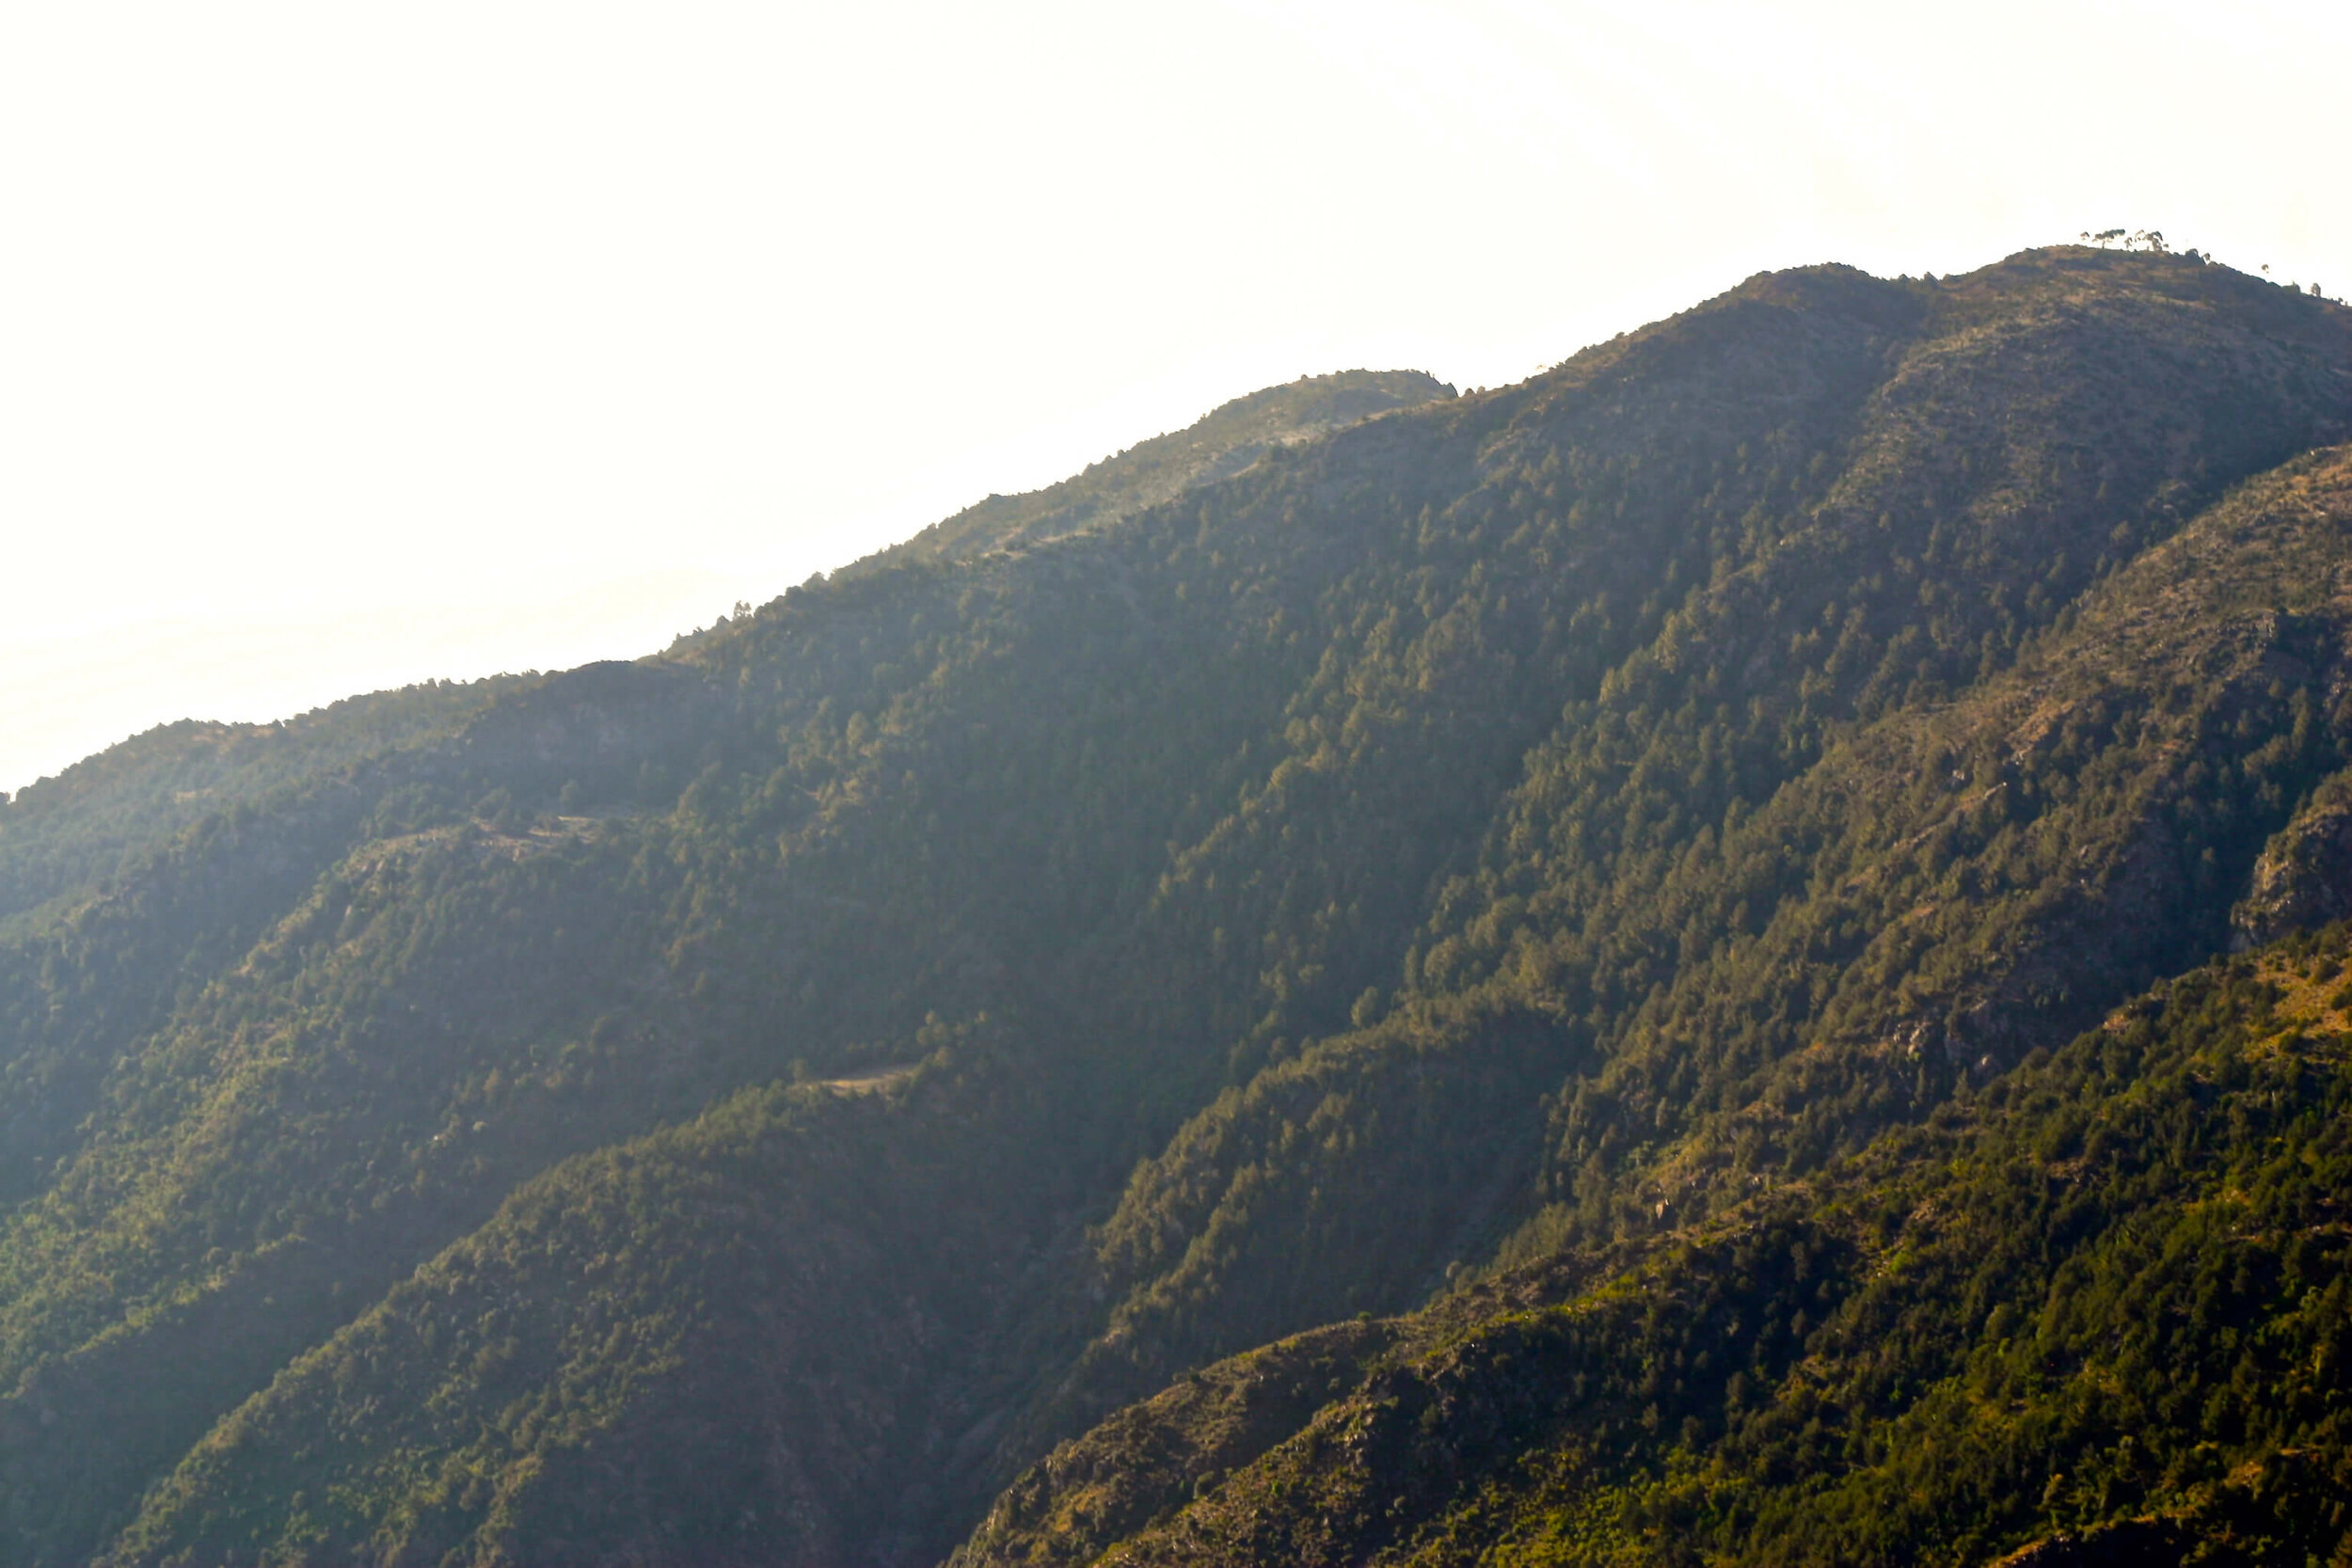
(451, 990)
(586, 1399)
(1745, 907)
(102, 817)
(1221, 443)
(1528, 821)
(2108, 1295)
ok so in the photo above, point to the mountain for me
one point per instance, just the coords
(1227, 440)
(2103, 1297)
(110, 814)
(1708, 956)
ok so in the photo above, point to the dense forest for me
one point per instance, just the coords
(1729, 954)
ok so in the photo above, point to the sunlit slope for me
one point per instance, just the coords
(1222, 443)
(1508, 825)
(2108, 1295)
(1944, 889)
(62, 836)
(1807, 854)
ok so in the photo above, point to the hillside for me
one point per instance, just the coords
(1583, 901)
(1222, 443)
(113, 810)
(2102, 1300)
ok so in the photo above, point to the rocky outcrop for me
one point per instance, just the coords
(2304, 877)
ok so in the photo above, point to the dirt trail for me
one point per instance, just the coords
(868, 1083)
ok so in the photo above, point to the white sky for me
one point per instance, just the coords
(342, 346)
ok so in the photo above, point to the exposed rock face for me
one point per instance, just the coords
(2135, 1544)
(2304, 877)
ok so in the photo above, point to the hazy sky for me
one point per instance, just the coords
(342, 346)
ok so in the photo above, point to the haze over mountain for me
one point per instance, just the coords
(1721, 954)
(351, 349)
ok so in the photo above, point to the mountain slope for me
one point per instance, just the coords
(108, 814)
(1222, 443)
(1729, 906)
(2107, 1294)
(1532, 826)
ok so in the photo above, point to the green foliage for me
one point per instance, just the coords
(1222, 443)
(1465, 853)
(662, 1311)
(2111, 1286)
(1733, 952)
(102, 818)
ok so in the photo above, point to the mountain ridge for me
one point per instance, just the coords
(1452, 863)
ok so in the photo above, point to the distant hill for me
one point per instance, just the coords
(1222, 443)
(1724, 954)
(60, 836)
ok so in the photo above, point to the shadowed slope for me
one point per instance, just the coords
(1535, 821)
